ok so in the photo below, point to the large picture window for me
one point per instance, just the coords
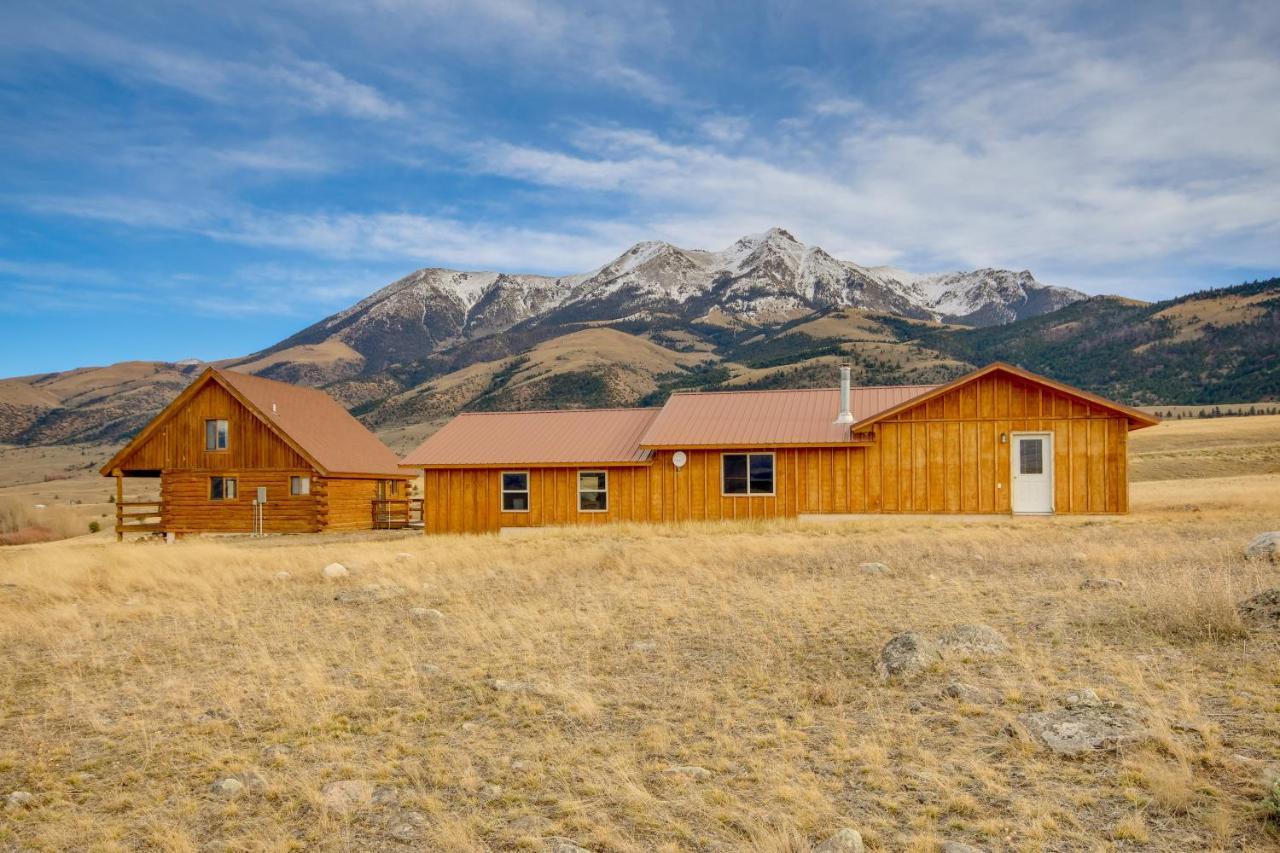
(515, 491)
(593, 491)
(222, 488)
(215, 435)
(747, 473)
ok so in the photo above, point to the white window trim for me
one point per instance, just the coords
(582, 491)
(527, 491)
(303, 478)
(773, 493)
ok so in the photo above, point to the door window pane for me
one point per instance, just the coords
(1031, 456)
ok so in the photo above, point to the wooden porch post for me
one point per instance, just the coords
(119, 509)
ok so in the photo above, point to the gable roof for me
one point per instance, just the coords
(307, 419)
(563, 437)
(756, 418)
(1137, 418)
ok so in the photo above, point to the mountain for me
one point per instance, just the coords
(768, 311)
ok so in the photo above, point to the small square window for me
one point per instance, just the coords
(222, 488)
(215, 435)
(593, 491)
(515, 491)
(299, 485)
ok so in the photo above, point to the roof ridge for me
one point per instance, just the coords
(564, 411)
(798, 390)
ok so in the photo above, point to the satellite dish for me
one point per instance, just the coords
(679, 458)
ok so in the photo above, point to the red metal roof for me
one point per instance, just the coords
(761, 418)
(323, 429)
(566, 437)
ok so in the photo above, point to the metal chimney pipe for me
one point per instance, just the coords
(845, 416)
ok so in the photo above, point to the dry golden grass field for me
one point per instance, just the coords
(490, 693)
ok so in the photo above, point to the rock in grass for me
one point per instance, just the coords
(1082, 698)
(967, 693)
(689, 771)
(975, 640)
(18, 799)
(1264, 547)
(426, 614)
(335, 570)
(907, 655)
(845, 841)
(1102, 583)
(959, 847)
(873, 568)
(535, 688)
(1082, 729)
(369, 594)
(227, 788)
(347, 795)
(1262, 610)
(564, 845)
(283, 576)
(644, 646)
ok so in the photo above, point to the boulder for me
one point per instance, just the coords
(227, 788)
(644, 646)
(282, 576)
(845, 841)
(873, 568)
(426, 614)
(1262, 610)
(347, 795)
(1102, 583)
(426, 669)
(1264, 547)
(369, 594)
(974, 640)
(335, 570)
(490, 792)
(959, 847)
(1082, 698)
(18, 799)
(564, 845)
(962, 692)
(689, 771)
(1082, 728)
(907, 655)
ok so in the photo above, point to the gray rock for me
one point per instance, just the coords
(335, 570)
(907, 655)
(369, 594)
(959, 847)
(689, 771)
(873, 568)
(489, 793)
(229, 787)
(1264, 547)
(1082, 698)
(282, 576)
(967, 693)
(564, 845)
(1082, 729)
(426, 614)
(347, 795)
(426, 669)
(974, 640)
(845, 841)
(1262, 610)
(533, 688)
(19, 799)
(404, 556)
(1102, 583)
(644, 646)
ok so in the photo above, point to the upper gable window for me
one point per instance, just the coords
(215, 435)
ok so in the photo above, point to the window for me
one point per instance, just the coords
(1030, 456)
(299, 485)
(747, 473)
(515, 491)
(395, 487)
(215, 435)
(222, 488)
(593, 491)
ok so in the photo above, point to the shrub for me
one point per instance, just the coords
(94, 526)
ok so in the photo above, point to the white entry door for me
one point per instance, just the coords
(1033, 472)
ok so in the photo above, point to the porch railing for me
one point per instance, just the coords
(138, 517)
(396, 513)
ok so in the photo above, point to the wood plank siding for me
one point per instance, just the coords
(944, 455)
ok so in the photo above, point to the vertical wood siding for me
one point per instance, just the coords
(942, 456)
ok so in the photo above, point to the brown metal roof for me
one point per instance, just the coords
(317, 424)
(566, 437)
(767, 418)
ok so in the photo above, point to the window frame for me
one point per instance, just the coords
(773, 478)
(604, 491)
(301, 479)
(235, 488)
(224, 434)
(503, 491)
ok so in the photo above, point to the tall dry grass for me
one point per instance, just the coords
(133, 677)
(24, 523)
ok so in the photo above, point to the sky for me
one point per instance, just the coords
(201, 180)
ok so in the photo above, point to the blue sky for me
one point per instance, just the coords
(200, 180)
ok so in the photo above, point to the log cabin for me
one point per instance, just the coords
(236, 453)
(999, 440)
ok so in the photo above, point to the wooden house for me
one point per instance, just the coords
(239, 454)
(999, 440)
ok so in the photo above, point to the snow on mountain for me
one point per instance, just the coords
(761, 278)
